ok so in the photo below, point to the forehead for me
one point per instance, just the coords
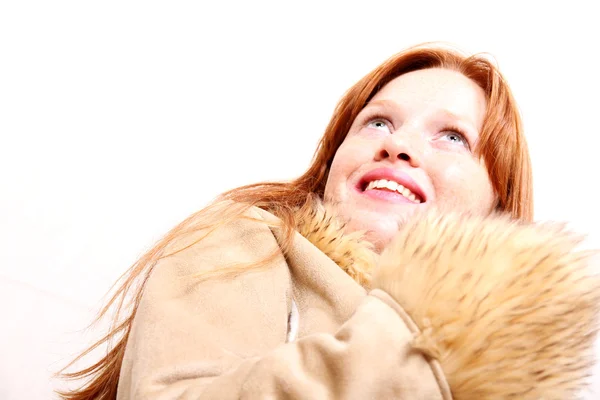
(437, 89)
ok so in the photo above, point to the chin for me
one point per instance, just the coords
(379, 233)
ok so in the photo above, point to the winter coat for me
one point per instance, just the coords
(456, 307)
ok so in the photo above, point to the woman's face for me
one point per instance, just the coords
(412, 147)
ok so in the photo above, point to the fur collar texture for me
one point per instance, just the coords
(510, 310)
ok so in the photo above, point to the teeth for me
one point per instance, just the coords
(394, 186)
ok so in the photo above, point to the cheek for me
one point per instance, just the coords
(337, 175)
(348, 159)
(330, 193)
(464, 185)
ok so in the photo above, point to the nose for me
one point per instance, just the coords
(398, 146)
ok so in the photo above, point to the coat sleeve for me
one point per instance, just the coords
(226, 338)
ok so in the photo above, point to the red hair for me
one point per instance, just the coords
(502, 147)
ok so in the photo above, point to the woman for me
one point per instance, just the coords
(402, 264)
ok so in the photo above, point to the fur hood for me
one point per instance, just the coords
(509, 309)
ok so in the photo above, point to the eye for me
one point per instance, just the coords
(379, 124)
(455, 137)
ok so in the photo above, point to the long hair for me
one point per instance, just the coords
(502, 147)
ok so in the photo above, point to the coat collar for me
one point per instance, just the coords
(322, 226)
(487, 294)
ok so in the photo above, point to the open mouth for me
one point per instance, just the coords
(393, 187)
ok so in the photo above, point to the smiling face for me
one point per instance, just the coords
(412, 147)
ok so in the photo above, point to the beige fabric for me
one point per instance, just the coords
(414, 330)
(226, 339)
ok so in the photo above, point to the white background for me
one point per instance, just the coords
(119, 119)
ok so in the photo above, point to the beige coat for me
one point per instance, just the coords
(448, 315)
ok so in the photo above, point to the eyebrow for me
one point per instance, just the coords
(443, 113)
(383, 103)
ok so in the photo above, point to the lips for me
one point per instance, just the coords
(398, 181)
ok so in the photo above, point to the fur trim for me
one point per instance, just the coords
(509, 309)
(319, 224)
